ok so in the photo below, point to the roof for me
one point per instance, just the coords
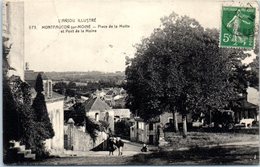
(31, 75)
(95, 103)
(248, 105)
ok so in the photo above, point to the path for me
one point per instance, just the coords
(228, 153)
(130, 149)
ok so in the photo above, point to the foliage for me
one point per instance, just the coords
(10, 111)
(19, 119)
(92, 127)
(11, 126)
(44, 126)
(122, 128)
(180, 66)
(88, 77)
(77, 114)
(72, 89)
(103, 125)
(254, 73)
(42, 117)
(169, 69)
(39, 84)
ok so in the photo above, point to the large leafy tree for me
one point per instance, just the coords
(180, 67)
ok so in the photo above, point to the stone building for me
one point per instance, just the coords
(150, 131)
(99, 110)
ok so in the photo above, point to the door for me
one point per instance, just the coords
(151, 139)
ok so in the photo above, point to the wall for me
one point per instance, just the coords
(164, 118)
(78, 140)
(56, 115)
(142, 133)
(13, 27)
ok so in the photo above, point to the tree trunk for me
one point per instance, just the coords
(175, 121)
(184, 124)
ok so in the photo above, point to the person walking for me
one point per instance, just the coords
(111, 146)
(120, 145)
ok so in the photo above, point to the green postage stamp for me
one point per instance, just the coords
(238, 27)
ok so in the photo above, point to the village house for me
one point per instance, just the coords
(150, 131)
(121, 114)
(55, 105)
(98, 110)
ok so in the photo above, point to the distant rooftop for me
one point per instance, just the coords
(30, 77)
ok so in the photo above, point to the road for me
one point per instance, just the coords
(129, 149)
(233, 153)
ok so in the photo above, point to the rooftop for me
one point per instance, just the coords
(95, 103)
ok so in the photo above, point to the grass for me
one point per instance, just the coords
(220, 155)
(198, 139)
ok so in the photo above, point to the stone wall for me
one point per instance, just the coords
(75, 138)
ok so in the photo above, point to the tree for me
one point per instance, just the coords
(122, 128)
(10, 111)
(78, 114)
(31, 136)
(180, 67)
(44, 125)
(18, 115)
(39, 84)
(254, 73)
(92, 127)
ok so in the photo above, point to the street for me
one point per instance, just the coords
(233, 153)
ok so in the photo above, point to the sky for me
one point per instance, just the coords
(104, 50)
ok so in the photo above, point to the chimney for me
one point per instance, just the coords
(27, 66)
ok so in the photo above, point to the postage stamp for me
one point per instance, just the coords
(238, 27)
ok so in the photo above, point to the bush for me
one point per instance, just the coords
(122, 128)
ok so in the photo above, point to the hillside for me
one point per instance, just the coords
(90, 76)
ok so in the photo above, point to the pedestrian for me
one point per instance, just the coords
(120, 145)
(111, 146)
(144, 148)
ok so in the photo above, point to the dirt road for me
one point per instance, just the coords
(246, 153)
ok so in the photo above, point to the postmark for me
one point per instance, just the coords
(238, 27)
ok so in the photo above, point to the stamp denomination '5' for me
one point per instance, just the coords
(238, 27)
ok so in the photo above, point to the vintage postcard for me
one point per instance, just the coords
(133, 82)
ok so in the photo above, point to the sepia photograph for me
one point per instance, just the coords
(133, 82)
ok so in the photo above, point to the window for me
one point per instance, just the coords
(170, 120)
(150, 126)
(141, 125)
(96, 117)
(107, 116)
